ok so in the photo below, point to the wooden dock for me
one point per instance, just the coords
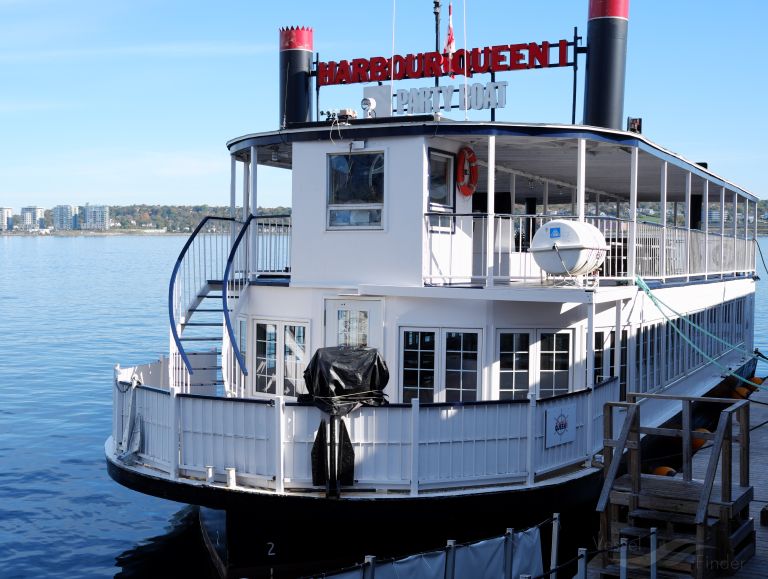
(757, 567)
(699, 523)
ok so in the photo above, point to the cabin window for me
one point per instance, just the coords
(418, 365)
(355, 190)
(514, 363)
(554, 363)
(604, 344)
(461, 366)
(281, 358)
(441, 184)
(440, 365)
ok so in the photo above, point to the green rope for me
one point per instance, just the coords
(660, 305)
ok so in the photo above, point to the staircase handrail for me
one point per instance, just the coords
(172, 286)
(724, 424)
(618, 445)
(225, 295)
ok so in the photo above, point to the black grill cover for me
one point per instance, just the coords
(342, 378)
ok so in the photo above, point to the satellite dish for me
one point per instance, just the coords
(565, 247)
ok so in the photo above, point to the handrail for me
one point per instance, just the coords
(225, 295)
(620, 444)
(172, 286)
(723, 424)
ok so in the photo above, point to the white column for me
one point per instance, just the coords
(279, 448)
(688, 185)
(232, 185)
(663, 209)
(246, 190)
(253, 238)
(705, 223)
(632, 246)
(617, 341)
(581, 178)
(589, 426)
(722, 230)
(490, 225)
(513, 191)
(546, 198)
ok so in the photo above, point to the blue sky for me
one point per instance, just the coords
(120, 102)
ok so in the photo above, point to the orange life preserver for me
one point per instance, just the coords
(697, 443)
(466, 171)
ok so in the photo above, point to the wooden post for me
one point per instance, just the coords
(369, 567)
(727, 460)
(509, 552)
(653, 553)
(687, 452)
(623, 562)
(744, 435)
(581, 573)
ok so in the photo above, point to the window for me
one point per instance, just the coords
(286, 342)
(603, 356)
(355, 190)
(418, 366)
(266, 358)
(513, 365)
(441, 184)
(554, 363)
(440, 365)
(352, 328)
(461, 366)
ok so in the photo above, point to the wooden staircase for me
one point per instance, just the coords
(702, 528)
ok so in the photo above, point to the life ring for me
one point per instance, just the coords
(466, 171)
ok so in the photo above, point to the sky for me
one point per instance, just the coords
(122, 102)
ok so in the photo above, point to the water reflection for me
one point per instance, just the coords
(178, 553)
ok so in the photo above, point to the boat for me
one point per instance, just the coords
(424, 347)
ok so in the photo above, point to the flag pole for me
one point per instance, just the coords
(436, 10)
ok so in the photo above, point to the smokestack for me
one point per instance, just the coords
(295, 75)
(606, 63)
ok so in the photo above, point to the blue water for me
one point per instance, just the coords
(70, 308)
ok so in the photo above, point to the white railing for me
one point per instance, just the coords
(273, 244)
(407, 448)
(457, 252)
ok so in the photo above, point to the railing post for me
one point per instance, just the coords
(663, 208)
(687, 225)
(653, 552)
(450, 559)
(279, 450)
(555, 545)
(531, 435)
(509, 552)
(581, 572)
(369, 567)
(623, 559)
(174, 437)
(705, 225)
(414, 446)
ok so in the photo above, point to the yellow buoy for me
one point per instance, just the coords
(664, 471)
(740, 392)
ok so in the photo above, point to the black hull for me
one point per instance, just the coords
(286, 536)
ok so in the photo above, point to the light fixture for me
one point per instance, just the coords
(368, 105)
(275, 158)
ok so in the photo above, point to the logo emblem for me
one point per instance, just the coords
(554, 232)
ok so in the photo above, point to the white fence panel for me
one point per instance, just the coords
(546, 459)
(225, 433)
(154, 407)
(473, 442)
(381, 438)
(606, 392)
(299, 431)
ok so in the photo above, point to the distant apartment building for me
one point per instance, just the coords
(6, 219)
(64, 217)
(32, 217)
(95, 217)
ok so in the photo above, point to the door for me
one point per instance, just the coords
(354, 322)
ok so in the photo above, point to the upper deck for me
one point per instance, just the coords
(375, 204)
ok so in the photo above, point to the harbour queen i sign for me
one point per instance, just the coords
(469, 96)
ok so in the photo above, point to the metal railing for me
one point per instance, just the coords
(200, 263)
(457, 249)
(408, 447)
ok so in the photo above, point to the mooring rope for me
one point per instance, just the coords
(660, 305)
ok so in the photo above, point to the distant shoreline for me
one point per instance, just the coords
(91, 233)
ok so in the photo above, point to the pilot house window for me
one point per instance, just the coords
(355, 190)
